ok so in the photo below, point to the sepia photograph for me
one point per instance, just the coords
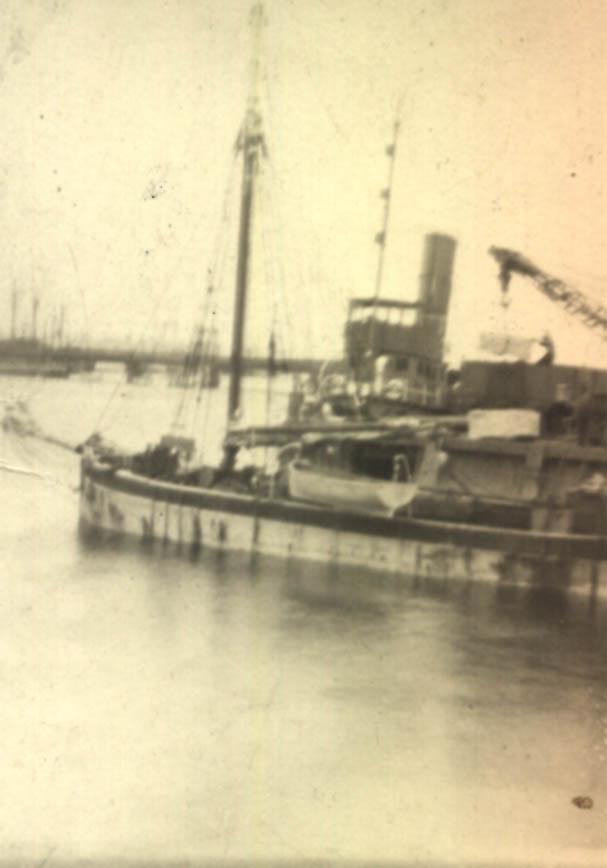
(303, 441)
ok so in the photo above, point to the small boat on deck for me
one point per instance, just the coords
(348, 490)
(348, 471)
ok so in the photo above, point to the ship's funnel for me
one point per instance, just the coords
(437, 271)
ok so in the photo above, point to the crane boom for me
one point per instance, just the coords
(571, 300)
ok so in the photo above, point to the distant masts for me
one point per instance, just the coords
(35, 306)
(14, 307)
(50, 326)
(61, 326)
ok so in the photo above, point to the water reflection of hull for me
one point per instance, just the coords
(119, 503)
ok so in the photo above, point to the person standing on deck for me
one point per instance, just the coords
(550, 350)
(583, 415)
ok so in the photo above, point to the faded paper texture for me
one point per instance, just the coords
(157, 709)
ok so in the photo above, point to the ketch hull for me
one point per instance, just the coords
(118, 504)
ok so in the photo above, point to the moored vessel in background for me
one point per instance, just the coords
(24, 354)
(27, 357)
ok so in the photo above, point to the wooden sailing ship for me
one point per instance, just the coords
(404, 498)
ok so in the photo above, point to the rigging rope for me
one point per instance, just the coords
(277, 226)
(203, 396)
(150, 320)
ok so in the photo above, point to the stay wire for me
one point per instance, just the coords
(276, 226)
(205, 397)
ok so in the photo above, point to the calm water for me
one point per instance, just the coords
(154, 708)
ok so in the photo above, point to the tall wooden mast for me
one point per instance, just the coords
(251, 143)
(386, 195)
(381, 237)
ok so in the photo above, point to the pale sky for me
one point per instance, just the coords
(119, 118)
